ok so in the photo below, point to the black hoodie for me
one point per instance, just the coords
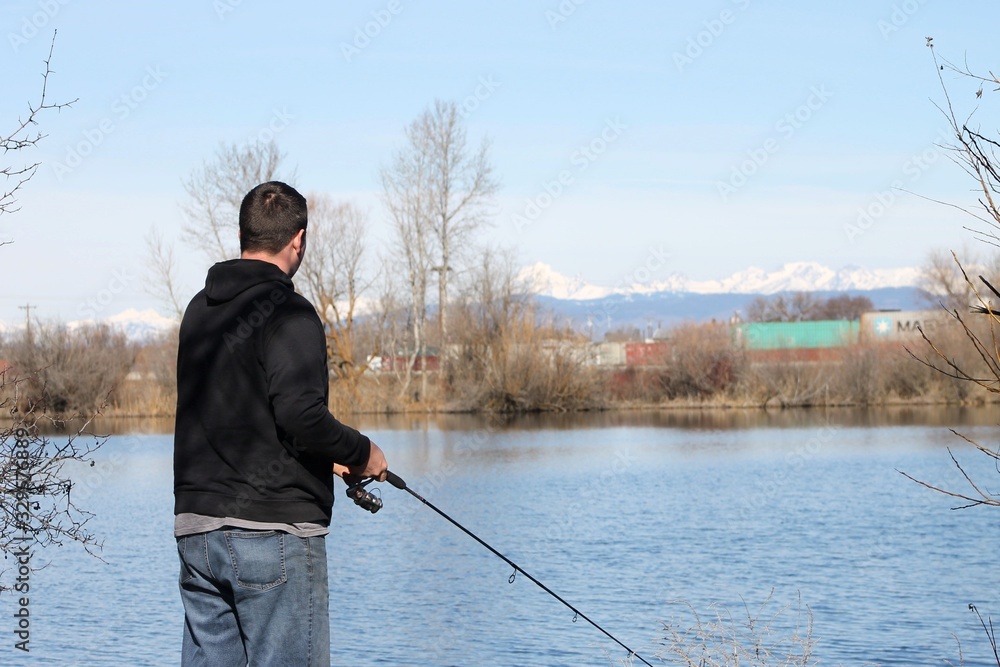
(254, 438)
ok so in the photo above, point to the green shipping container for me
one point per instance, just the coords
(796, 335)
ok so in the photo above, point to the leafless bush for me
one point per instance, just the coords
(789, 383)
(861, 376)
(750, 638)
(636, 385)
(68, 371)
(703, 362)
(898, 378)
(36, 503)
(519, 367)
(150, 389)
(958, 357)
(505, 358)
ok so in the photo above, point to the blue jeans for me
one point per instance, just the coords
(257, 597)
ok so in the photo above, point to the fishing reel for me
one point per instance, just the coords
(363, 498)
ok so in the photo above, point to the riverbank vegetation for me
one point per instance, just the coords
(507, 356)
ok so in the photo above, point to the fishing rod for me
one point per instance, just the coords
(372, 503)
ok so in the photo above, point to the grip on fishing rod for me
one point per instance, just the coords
(395, 480)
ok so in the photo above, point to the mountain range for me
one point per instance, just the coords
(677, 298)
(644, 305)
(792, 277)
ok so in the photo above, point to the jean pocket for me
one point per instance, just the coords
(186, 574)
(258, 558)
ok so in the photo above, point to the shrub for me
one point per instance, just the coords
(68, 371)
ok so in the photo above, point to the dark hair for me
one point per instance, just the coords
(270, 216)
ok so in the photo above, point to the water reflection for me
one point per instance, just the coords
(696, 419)
(691, 419)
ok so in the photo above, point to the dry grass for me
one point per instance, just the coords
(721, 638)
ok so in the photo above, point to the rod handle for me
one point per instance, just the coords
(395, 480)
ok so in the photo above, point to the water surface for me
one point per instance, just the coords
(622, 514)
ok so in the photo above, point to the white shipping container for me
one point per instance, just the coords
(900, 325)
(608, 354)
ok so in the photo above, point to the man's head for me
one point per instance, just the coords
(272, 216)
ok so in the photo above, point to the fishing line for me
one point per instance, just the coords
(357, 491)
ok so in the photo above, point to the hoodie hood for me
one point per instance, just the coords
(228, 279)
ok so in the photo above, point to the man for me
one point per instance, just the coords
(254, 451)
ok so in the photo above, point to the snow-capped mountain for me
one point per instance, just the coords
(544, 280)
(792, 277)
(138, 325)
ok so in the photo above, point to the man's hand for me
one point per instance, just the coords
(375, 467)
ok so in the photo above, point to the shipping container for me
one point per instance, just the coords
(608, 354)
(900, 325)
(647, 354)
(430, 360)
(795, 335)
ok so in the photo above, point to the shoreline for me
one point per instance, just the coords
(679, 414)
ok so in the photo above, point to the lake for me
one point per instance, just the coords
(637, 519)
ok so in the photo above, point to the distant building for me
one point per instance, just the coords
(429, 359)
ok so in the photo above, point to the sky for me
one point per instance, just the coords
(632, 139)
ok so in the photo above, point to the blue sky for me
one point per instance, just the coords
(727, 134)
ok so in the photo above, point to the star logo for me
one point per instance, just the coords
(883, 326)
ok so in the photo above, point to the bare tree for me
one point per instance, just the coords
(460, 184)
(974, 152)
(463, 185)
(36, 507)
(23, 137)
(844, 307)
(977, 155)
(405, 194)
(393, 315)
(336, 276)
(806, 307)
(215, 191)
(943, 280)
(161, 278)
(797, 307)
(217, 188)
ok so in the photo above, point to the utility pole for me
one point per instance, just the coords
(27, 321)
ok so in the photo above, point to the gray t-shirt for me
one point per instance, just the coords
(188, 523)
